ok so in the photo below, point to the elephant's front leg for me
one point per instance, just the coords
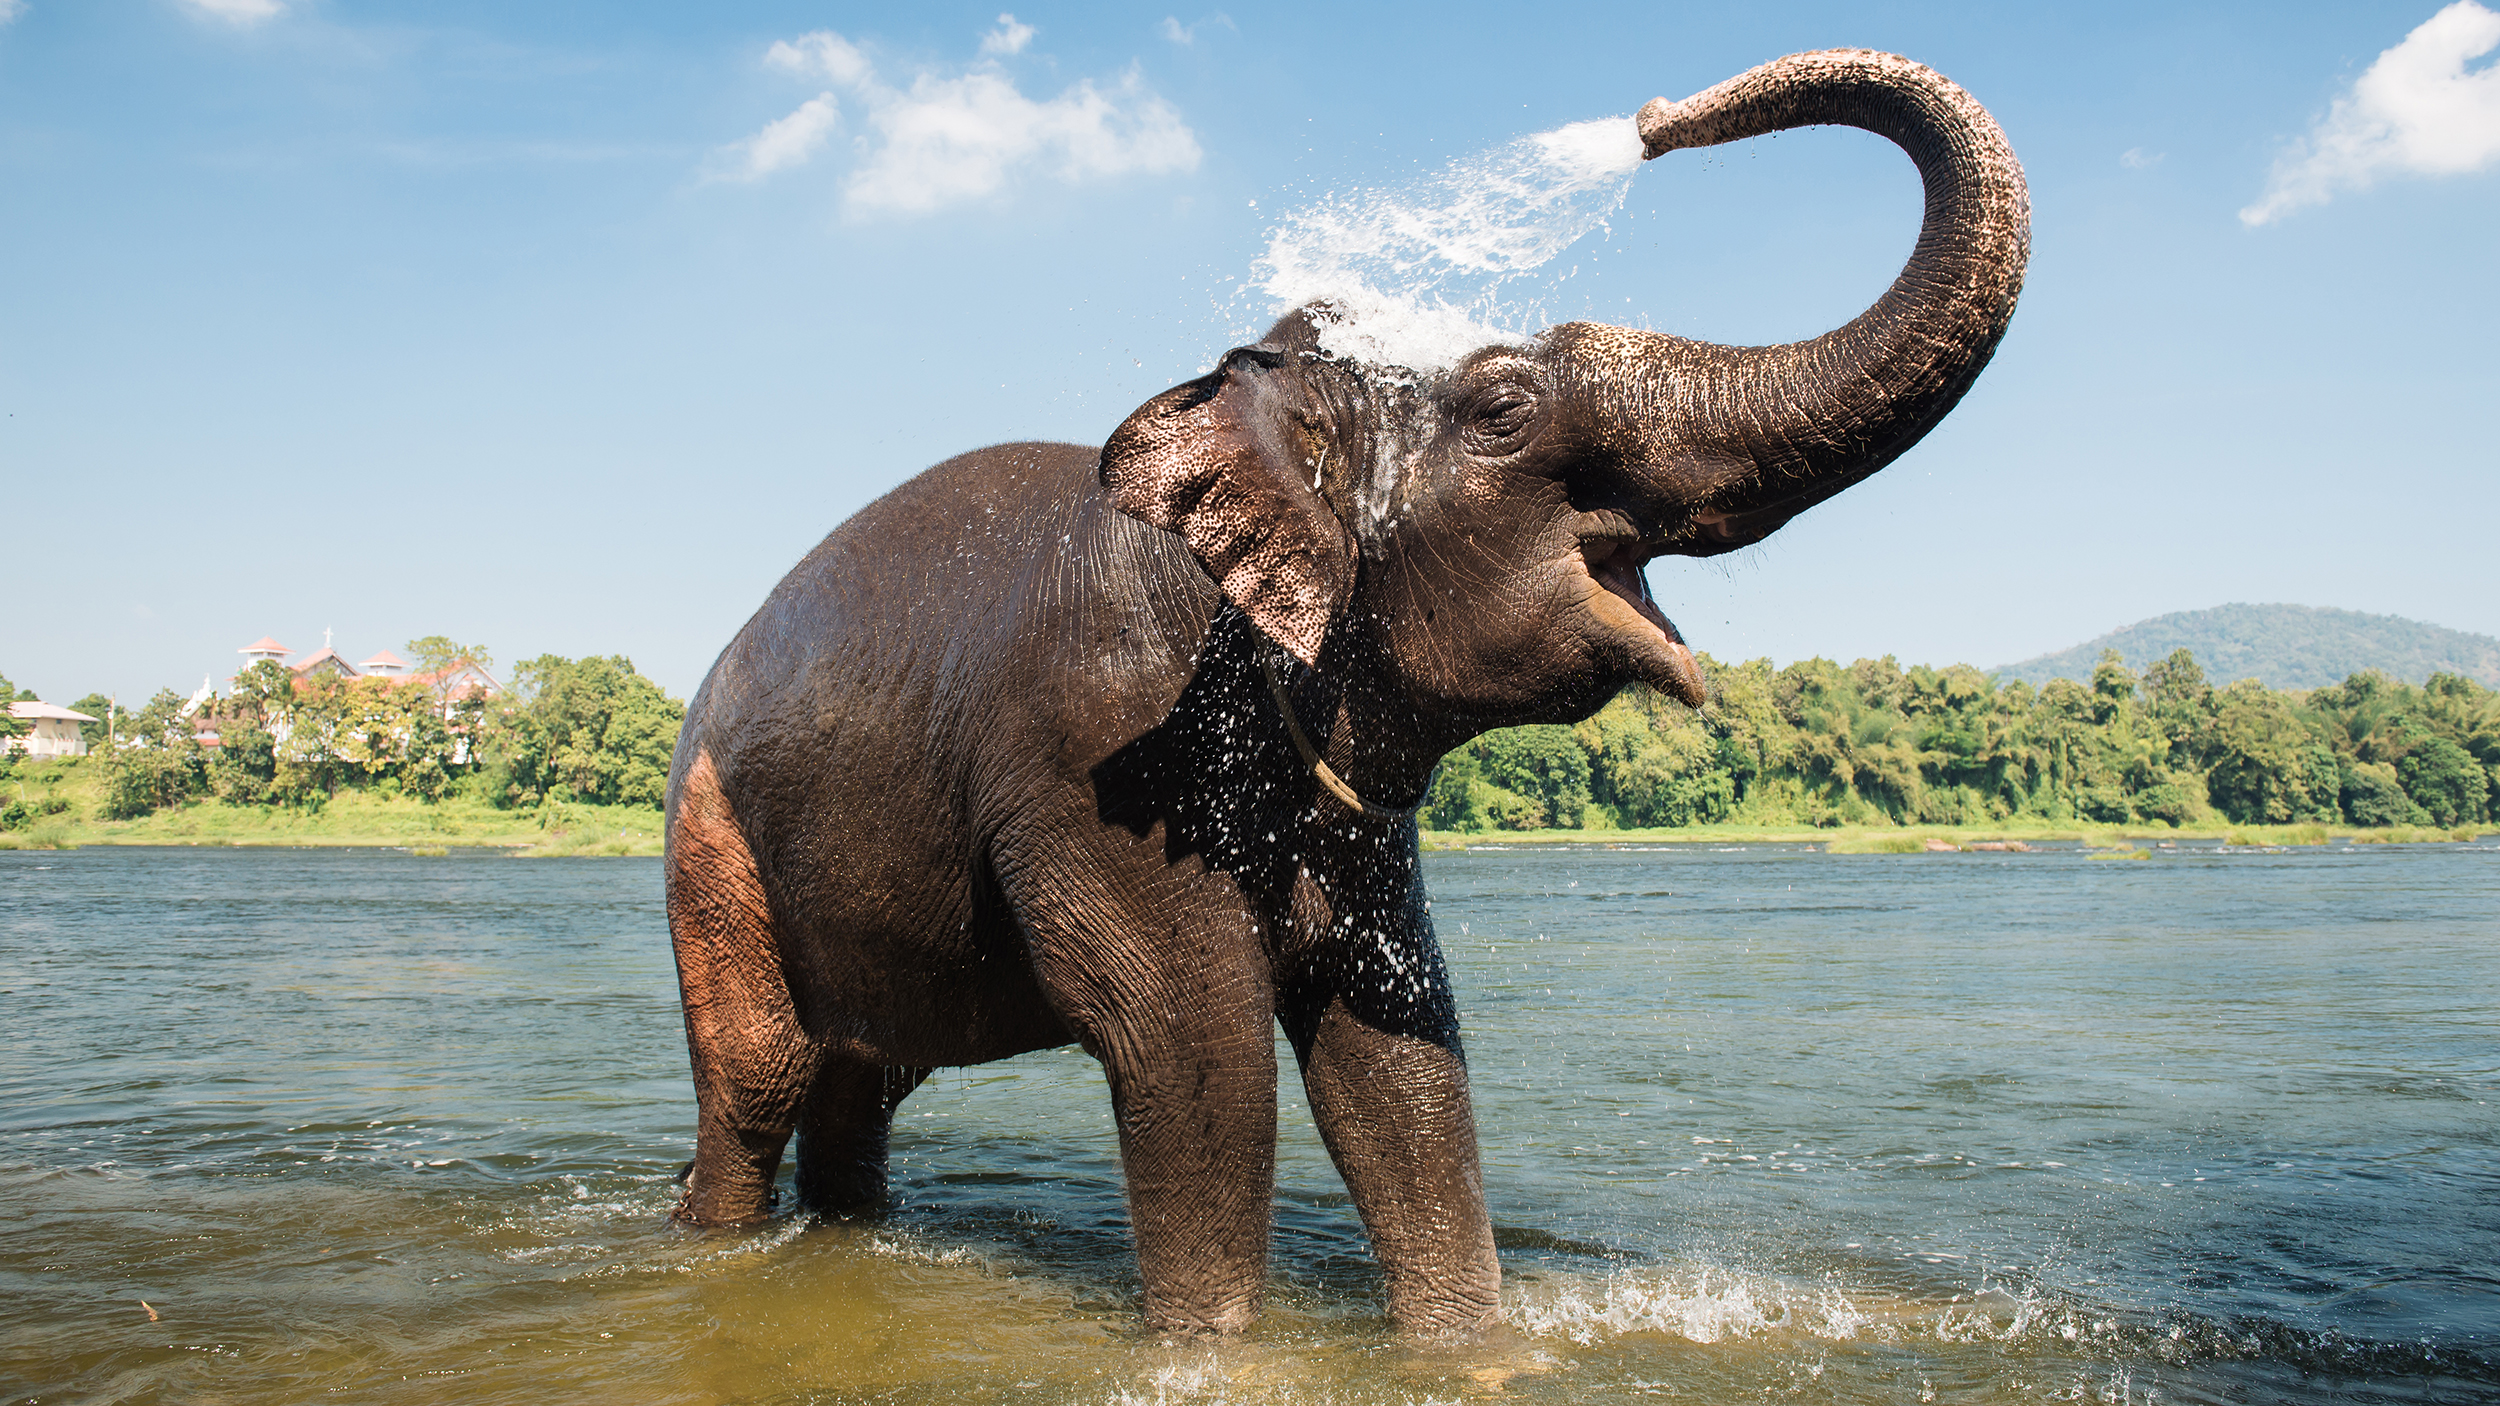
(1194, 1091)
(1394, 1111)
(1160, 972)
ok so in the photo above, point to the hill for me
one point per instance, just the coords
(2285, 646)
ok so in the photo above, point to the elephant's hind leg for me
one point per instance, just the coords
(753, 1063)
(843, 1133)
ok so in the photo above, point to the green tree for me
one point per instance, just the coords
(1651, 762)
(245, 769)
(2180, 701)
(266, 689)
(590, 730)
(256, 706)
(156, 762)
(1853, 751)
(1819, 743)
(2468, 714)
(10, 728)
(314, 732)
(1453, 800)
(2370, 794)
(434, 654)
(2445, 781)
(9, 724)
(1750, 736)
(141, 779)
(2113, 688)
(2261, 770)
(98, 734)
(1543, 763)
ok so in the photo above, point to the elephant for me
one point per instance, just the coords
(1121, 746)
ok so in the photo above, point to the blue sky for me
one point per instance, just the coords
(569, 327)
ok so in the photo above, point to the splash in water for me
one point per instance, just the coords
(1417, 272)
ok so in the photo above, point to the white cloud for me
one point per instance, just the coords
(2136, 158)
(2415, 110)
(1180, 33)
(956, 139)
(950, 138)
(11, 9)
(239, 11)
(822, 52)
(1009, 38)
(789, 141)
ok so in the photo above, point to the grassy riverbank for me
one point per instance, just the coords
(367, 818)
(370, 818)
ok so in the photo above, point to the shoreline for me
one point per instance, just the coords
(349, 820)
(1912, 839)
(520, 837)
(370, 820)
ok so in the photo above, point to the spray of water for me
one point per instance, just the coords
(1421, 273)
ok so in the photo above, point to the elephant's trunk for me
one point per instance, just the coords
(1750, 436)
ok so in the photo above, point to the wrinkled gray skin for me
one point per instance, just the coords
(996, 768)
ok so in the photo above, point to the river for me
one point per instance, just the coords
(1759, 1122)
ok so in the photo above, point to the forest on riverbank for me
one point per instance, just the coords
(580, 748)
(573, 744)
(1873, 744)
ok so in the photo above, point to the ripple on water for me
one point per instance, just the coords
(1754, 1125)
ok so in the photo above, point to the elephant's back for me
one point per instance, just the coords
(946, 637)
(868, 725)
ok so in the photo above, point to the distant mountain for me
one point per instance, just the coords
(2285, 646)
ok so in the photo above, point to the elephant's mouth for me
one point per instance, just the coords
(1612, 553)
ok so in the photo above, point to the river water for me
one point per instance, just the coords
(1759, 1123)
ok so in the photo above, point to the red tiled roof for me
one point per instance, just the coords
(384, 660)
(319, 657)
(462, 690)
(266, 644)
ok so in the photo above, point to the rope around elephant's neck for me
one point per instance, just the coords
(1318, 764)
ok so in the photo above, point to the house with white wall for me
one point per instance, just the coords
(50, 732)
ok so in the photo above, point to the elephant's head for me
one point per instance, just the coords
(1472, 542)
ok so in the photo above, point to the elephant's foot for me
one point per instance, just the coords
(1231, 1313)
(843, 1133)
(730, 1181)
(842, 1188)
(1447, 1314)
(688, 1212)
(1458, 1299)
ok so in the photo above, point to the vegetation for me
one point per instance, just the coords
(356, 816)
(1873, 745)
(574, 758)
(1883, 759)
(9, 725)
(20, 813)
(583, 730)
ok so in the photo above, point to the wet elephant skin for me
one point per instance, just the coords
(1001, 763)
(1043, 796)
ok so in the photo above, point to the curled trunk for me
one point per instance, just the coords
(1751, 436)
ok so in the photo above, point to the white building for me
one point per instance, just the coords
(50, 732)
(455, 682)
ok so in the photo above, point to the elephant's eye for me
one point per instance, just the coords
(1501, 418)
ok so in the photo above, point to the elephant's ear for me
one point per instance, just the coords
(1228, 461)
